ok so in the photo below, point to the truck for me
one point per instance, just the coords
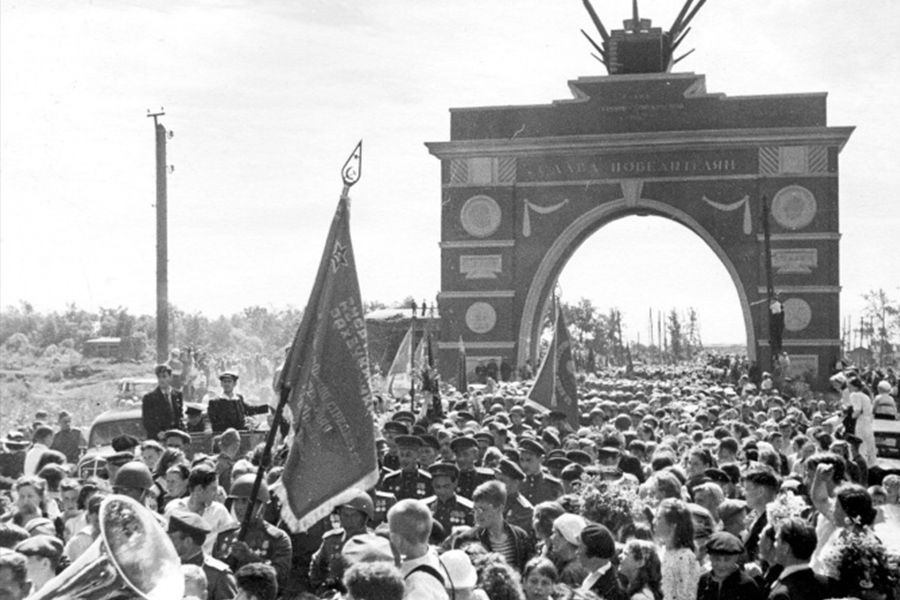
(128, 421)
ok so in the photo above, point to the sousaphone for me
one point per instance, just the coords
(132, 558)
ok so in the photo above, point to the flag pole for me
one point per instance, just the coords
(553, 350)
(412, 360)
(350, 174)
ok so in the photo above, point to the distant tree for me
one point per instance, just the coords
(692, 343)
(883, 313)
(614, 335)
(673, 324)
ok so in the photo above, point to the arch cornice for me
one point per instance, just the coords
(567, 242)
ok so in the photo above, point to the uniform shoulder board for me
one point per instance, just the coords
(485, 471)
(216, 564)
(429, 500)
(385, 495)
(463, 501)
(391, 475)
(524, 502)
(425, 474)
(551, 478)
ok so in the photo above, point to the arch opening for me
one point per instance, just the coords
(577, 234)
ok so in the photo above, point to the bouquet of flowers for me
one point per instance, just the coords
(785, 506)
(861, 561)
(613, 504)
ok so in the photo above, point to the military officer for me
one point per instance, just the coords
(383, 501)
(410, 481)
(188, 531)
(448, 508)
(429, 451)
(518, 509)
(391, 430)
(263, 542)
(470, 477)
(538, 487)
(326, 569)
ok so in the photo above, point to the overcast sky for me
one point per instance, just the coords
(266, 99)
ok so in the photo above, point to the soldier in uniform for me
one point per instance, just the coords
(263, 542)
(470, 477)
(538, 487)
(518, 425)
(326, 569)
(410, 481)
(383, 502)
(428, 453)
(196, 421)
(390, 431)
(518, 509)
(485, 440)
(447, 507)
(188, 532)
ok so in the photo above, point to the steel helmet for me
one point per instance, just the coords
(134, 474)
(243, 487)
(362, 502)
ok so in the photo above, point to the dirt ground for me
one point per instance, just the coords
(85, 390)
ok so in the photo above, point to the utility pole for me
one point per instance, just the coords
(162, 241)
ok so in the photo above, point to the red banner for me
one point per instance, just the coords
(327, 373)
(554, 387)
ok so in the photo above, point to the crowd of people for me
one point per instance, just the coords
(677, 483)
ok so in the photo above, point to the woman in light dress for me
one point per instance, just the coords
(861, 404)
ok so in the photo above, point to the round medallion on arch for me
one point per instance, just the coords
(794, 207)
(480, 216)
(797, 314)
(481, 317)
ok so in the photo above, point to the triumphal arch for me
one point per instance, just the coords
(524, 186)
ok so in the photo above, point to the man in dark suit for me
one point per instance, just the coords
(596, 550)
(795, 542)
(163, 408)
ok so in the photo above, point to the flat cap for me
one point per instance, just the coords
(579, 456)
(444, 470)
(119, 458)
(177, 433)
(193, 410)
(550, 438)
(529, 445)
(430, 441)
(463, 443)
(570, 527)
(607, 452)
(484, 437)
(558, 462)
(124, 442)
(731, 508)
(598, 540)
(46, 546)
(397, 427)
(572, 472)
(404, 415)
(722, 542)
(408, 441)
(228, 375)
(189, 523)
(511, 470)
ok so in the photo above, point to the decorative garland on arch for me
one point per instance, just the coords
(745, 202)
